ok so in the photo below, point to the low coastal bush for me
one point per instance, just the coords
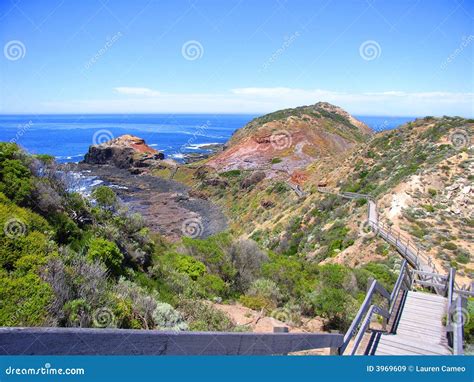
(258, 303)
(107, 253)
(202, 316)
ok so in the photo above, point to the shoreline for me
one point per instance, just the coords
(165, 205)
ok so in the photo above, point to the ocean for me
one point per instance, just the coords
(68, 137)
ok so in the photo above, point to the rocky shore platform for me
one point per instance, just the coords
(165, 204)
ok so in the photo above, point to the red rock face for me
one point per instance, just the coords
(136, 143)
(125, 151)
(288, 140)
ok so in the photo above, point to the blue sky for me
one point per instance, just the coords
(405, 57)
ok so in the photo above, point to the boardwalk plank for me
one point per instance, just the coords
(420, 330)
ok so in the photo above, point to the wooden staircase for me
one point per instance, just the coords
(419, 330)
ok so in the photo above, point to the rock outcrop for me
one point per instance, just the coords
(126, 151)
(289, 139)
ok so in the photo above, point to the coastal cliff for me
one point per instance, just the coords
(125, 151)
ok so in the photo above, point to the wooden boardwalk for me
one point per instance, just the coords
(419, 331)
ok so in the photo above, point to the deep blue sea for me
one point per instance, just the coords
(68, 137)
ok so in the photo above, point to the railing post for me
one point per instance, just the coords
(370, 281)
(334, 351)
(281, 329)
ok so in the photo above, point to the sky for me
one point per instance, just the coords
(400, 58)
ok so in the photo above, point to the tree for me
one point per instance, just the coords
(106, 252)
(105, 198)
(333, 304)
(247, 259)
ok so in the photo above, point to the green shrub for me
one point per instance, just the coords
(107, 253)
(428, 207)
(105, 197)
(166, 317)
(190, 266)
(469, 323)
(24, 300)
(213, 252)
(450, 246)
(78, 313)
(382, 273)
(45, 158)
(231, 174)
(202, 316)
(334, 305)
(257, 303)
(265, 288)
(212, 286)
(15, 181)
(463, 257)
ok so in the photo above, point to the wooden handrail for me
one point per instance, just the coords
(365, 312)
(84, 341)
(450, 288)
(375, 287)
(458, 327)
(437, 275)
(441, 287)
(463, 292)
(398, 285)
(365, 324)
